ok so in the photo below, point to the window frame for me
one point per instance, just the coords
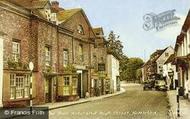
(80, 29)
(81, 53)
(48, 55)
(16, 50)
(65, 57)
(19, 85)
(66, 85)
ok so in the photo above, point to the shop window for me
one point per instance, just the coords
(19, 86)
(16, 51)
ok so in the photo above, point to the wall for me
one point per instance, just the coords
(1, 71)
(113, 70)
(160, 61)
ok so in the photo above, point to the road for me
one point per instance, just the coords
(133, 104)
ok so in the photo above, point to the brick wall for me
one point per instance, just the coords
(16, 27)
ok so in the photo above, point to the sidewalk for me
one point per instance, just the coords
(184, 106)
(56, 105)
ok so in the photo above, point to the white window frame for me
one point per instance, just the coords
(65, 57)
(47, 56)
(15, 51)
(66, 87)
(19, 86)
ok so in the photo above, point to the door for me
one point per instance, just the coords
(48, 90)
(79, 89)
(85, 82)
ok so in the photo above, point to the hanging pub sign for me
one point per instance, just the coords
(101, 67)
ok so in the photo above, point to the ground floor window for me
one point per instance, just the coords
(67, 85)
(19, 86)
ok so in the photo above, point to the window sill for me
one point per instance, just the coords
(20, 99)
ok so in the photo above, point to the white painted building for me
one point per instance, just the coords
(113, 71)
(182, 50)
(169, 71)
(162, 59)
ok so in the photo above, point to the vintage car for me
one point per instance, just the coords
(160, 85)
(148, 85)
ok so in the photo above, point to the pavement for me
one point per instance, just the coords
(184, 106)
(56, 105)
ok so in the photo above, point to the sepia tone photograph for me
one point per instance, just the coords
(94, 59)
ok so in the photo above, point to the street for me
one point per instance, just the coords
(133, 104)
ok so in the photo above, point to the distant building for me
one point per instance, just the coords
(153, 68)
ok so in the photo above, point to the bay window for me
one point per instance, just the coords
(19, 86)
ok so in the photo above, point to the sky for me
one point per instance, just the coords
(125, 18)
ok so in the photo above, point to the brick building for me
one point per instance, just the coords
(60, 43)
(99, 79)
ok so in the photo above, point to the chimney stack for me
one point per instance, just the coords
(55, 5)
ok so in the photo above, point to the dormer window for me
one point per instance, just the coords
(80, 29)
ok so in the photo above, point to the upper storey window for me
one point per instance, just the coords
(80, 29)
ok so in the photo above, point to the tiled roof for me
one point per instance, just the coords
(98, 30)
(186, 24)
(170, 59)
(64, 15)
(30, 4)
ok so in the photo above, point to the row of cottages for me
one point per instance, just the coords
(153, 68)
(182, 59)
(70, 57)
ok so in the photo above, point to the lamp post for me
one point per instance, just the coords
(31, 67)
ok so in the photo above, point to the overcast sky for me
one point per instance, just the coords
(125, 17)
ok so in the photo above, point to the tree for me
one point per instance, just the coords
(114, 46)
(129, 68)
(139, 74)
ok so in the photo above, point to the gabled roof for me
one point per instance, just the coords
(30, 4)
(65, 15)
(179, 40)
(147, 63)
(186, 24)
(98, 30)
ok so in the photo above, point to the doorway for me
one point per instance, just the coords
(48, 90)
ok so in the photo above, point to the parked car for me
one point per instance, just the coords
(160, 85)
(148, 85)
